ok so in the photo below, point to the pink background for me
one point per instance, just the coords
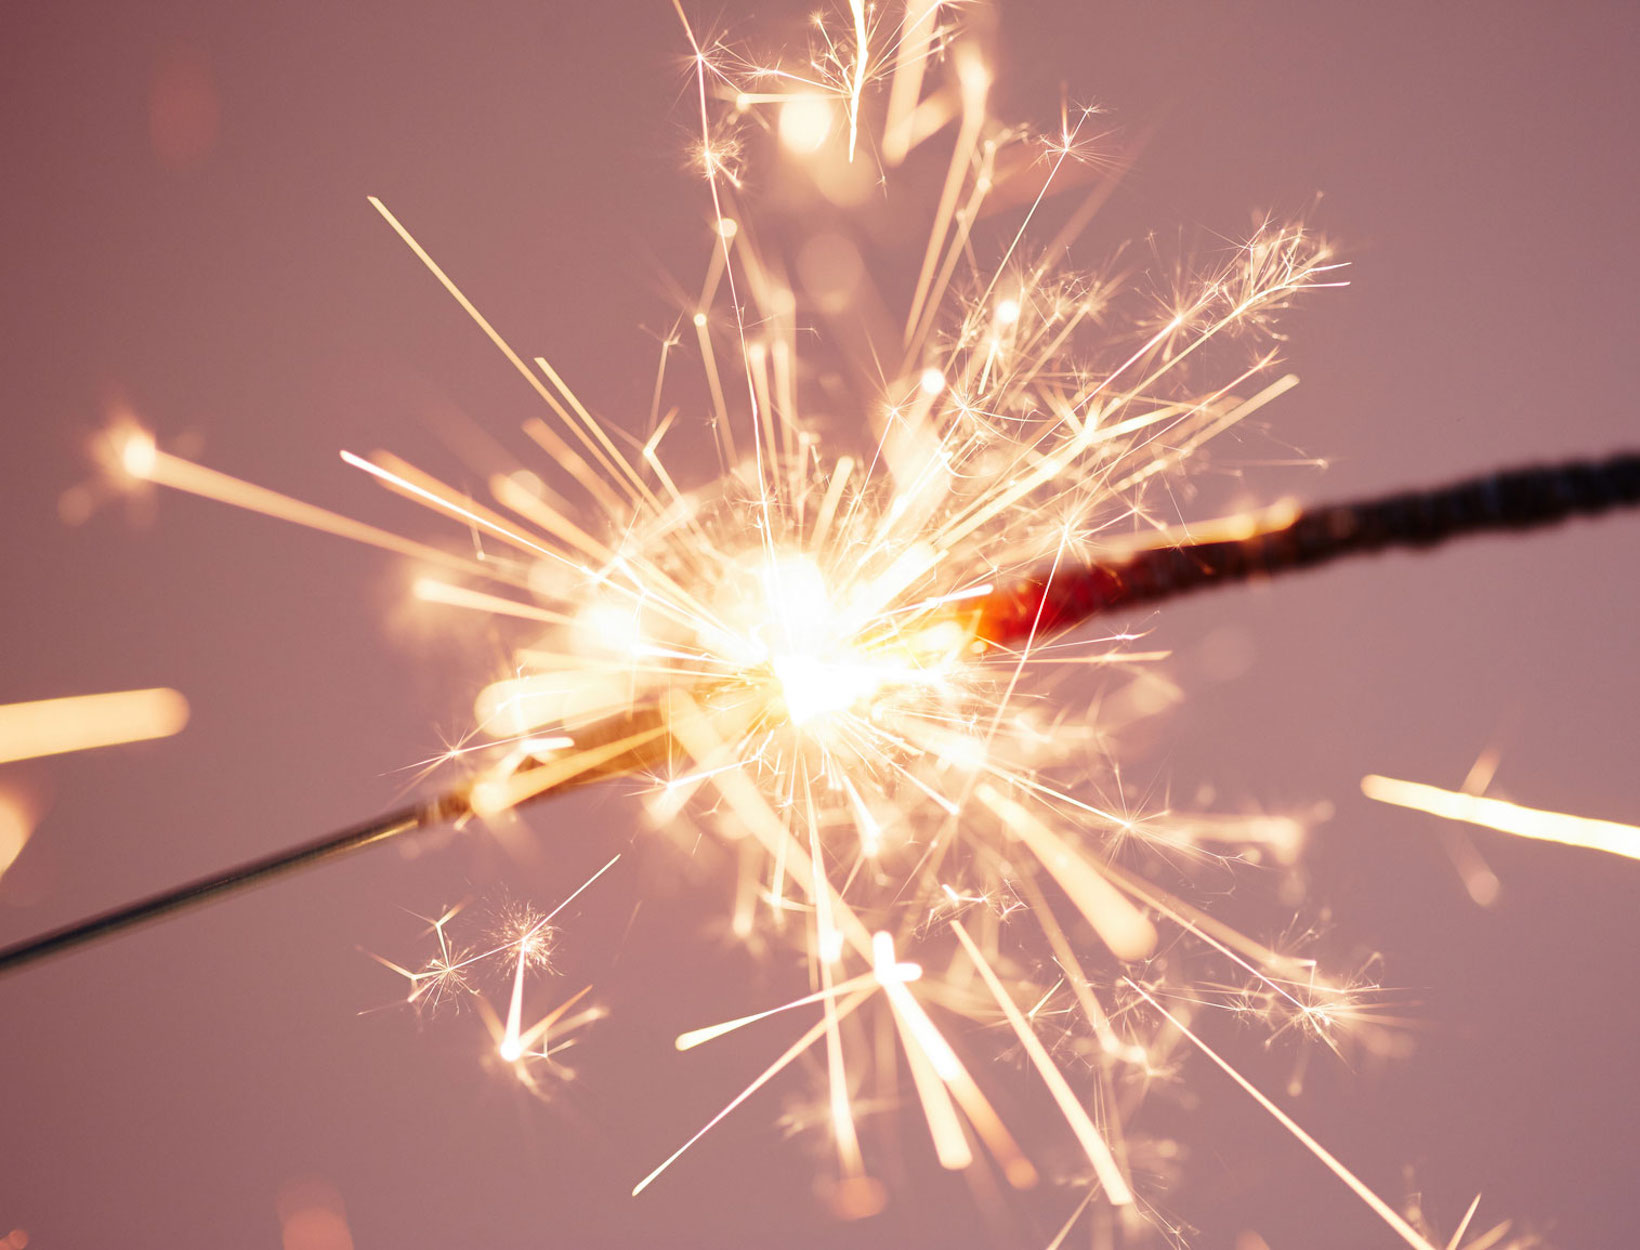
(184, 224)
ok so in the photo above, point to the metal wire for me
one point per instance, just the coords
(1041, 605)
(231, 881)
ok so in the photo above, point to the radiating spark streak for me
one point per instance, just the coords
(530, 1036)
(540, 513)
(496, 794)
(549, 440)
(166, 469)
(1110, 659)
(906, 85)
(871, 829)
(935, 601)
(829, 949)
(992, 504)
(1505, 817)
(1063, 864)
(578, 889)
(924, 1040)
(857, 86)
(656, 425)
(1228, 941)
(650, 457)
(431, 590)
(691, 780)
(514, 1043)
(490, 332)
(1236, 415)
(958, 246)
(701, 64)
(439, 503)
(975, 85)
(1092, 1142)
(696, 734)
(1077, 1213)
(87, 721)
(940, 1113)
(511, 1046)
(698, 1037)
(1095, 1014)
(721, 424)
(1479, 881)
(845, 1008)
(1079, 220)
(1463, 1224)
(1020, 233)
(1381, 1208)
(591, 425)
(1119, 924)
(1492, 1237)
(459, 503)
(17, 818)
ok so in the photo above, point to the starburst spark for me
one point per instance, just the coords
(521, 943)
(798, 645)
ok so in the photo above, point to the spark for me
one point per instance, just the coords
(85, 722)
(525, 944)
(1524, 822)
(17, 818)
(1382, 1209)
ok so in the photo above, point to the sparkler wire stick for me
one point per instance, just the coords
(1517, 499)
(232, 880)
(453, 804)
(1035, 605)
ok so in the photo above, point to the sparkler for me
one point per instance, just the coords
(838, 661)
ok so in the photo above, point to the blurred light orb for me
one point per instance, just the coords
(805, 124)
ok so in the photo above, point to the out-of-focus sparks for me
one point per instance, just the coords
(17, 818)
(312, 1216)
(805, 123)
(1524, 822)
(84, 722)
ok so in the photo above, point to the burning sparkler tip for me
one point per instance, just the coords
(138, 455)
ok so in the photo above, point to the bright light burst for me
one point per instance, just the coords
(789, 624)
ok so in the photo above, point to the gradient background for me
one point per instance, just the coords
(184, 225)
